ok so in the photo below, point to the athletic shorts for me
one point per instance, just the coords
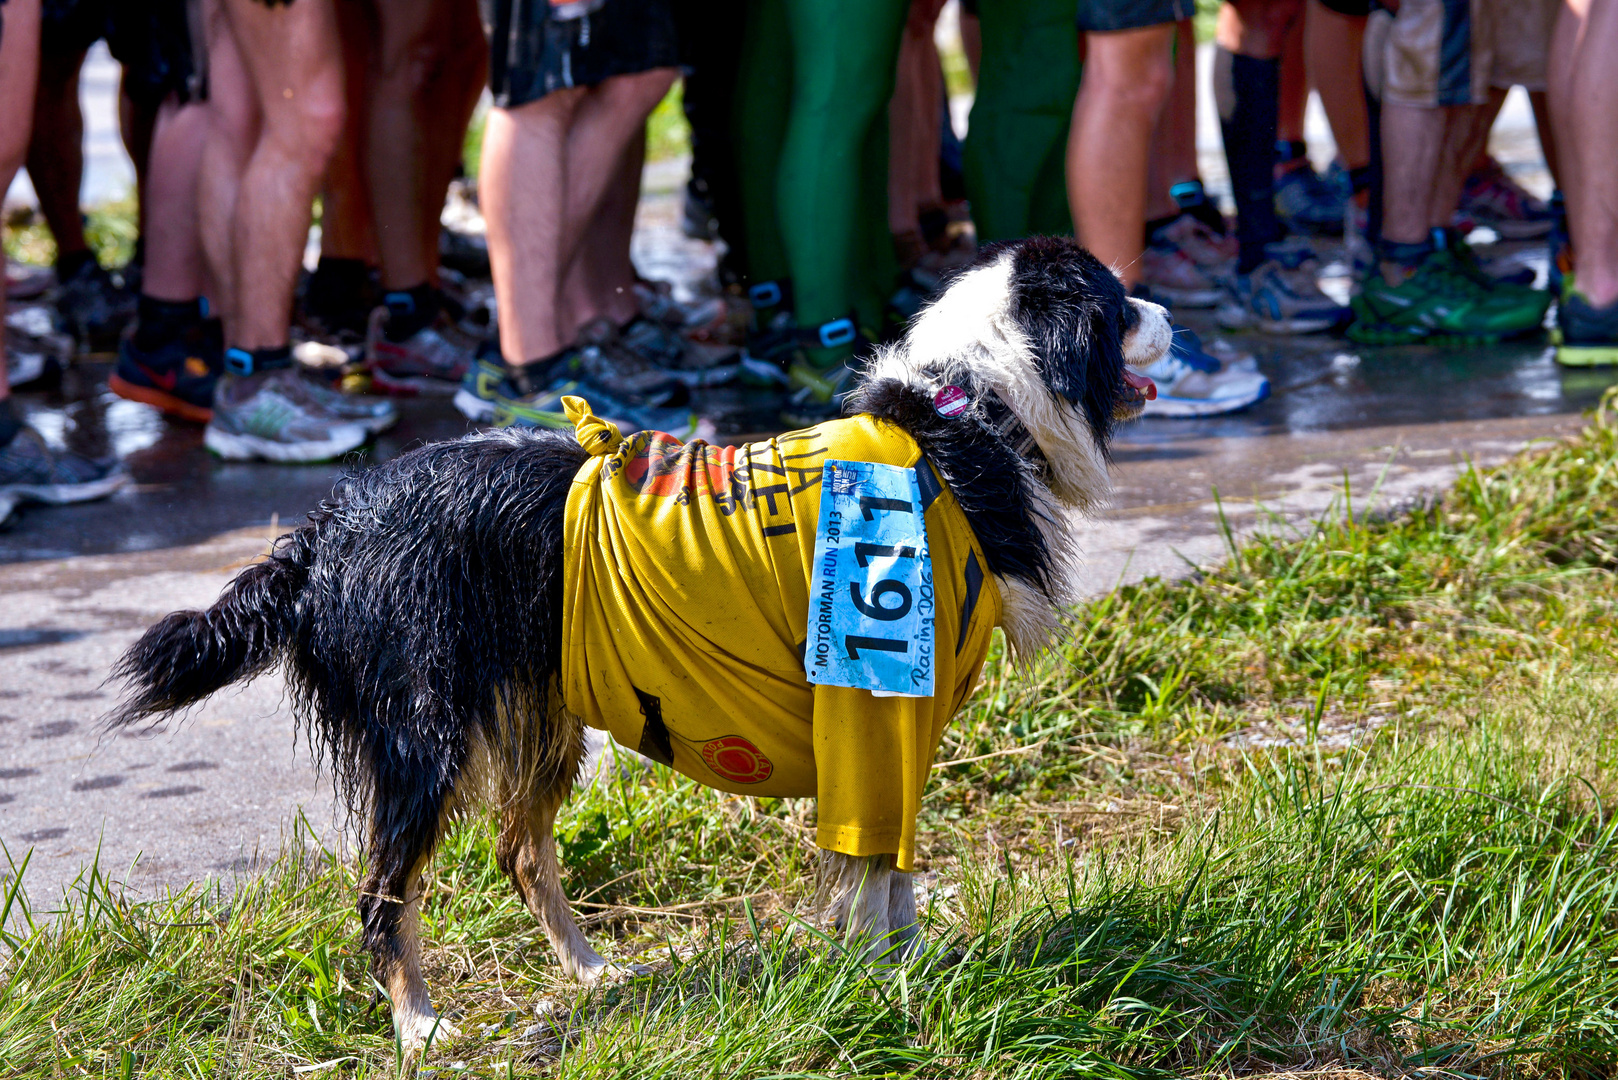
(1102, 16)
(532, 54)
(152, 39)
(1453, 52)
(1359, 9)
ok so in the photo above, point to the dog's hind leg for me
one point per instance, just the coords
(405, 826)
(854, 891)
(527, 852)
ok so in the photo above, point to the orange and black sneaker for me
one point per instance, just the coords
(177, 376)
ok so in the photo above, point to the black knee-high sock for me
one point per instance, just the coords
(1249, 94)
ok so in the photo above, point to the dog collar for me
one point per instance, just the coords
(999, 418)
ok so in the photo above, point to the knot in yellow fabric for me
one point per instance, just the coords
(599, 437)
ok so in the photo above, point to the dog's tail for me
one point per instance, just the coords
(191, 654)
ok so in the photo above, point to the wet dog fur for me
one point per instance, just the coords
(417, 615)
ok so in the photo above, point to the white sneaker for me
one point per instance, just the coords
(267, 417)
(1191, 382)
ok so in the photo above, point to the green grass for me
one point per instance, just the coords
(110, 228)
(1339, 804)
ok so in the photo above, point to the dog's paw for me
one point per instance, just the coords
(417, 1028)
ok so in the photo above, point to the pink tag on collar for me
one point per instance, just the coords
(951, 401)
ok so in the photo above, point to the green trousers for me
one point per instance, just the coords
(811, 136)
(1015, 152)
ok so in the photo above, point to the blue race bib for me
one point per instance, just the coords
(871, 594)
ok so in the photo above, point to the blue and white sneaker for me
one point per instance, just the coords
(479, 386)
(1191, 382)
(543, 409)
(1280, 296)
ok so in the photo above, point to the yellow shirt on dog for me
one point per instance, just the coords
(686, 607)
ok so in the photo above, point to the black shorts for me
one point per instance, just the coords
(1357, 8)
(532, 54)
(152, 39)
(1104, 16)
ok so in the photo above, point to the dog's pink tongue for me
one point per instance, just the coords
(1141, 383)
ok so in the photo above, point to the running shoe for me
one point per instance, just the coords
(1502, 272)
(1171, 274)
(1558, 245)
(30, 471)
(1214, 253)
(664, 348)
(656, 301)
(36, 352)
(375, 415)
(1191, 382)
(93, 308)
(1492, 198)
(476, 396)
(543, 409)
(272, 416)
(1588, 335)
(177, 377)
(1441, 304)
(1280, 296)
(604, 361)
(1307, 203)
(426, 363)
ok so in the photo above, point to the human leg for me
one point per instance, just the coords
(1333, 42)
(843, 60)
(293, 59)
(913, 130)
(56, 153)
(19, 76)
(1588, 98)
(1126, 80)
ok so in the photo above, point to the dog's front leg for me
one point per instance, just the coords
(902, 924)
(855, 890)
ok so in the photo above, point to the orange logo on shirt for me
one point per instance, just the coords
(737, 760)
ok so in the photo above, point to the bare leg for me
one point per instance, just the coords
(609, 117)
(137, 124)
(401, 65)
(451, 97)
(232, 130)
(1412, 147)
(347, 229)
(1332, 47)
(1174, 142)
(294, 61)
(1126, 80)
(600, 281)
(1295, 77)
(56, 152)
(19, 72)
(913, 121)
(1591, 146)
(523, 189)
(1466, 134)
(174, 269)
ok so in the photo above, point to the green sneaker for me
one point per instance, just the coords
(1441, 304)
(1587, 336)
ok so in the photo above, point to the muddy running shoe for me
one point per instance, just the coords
(426, 363)
(1502, 273)
(475, 398)
(1492, 198)
(661, 346)
(93, 308)
(543, 409)
(177, 376)
(1280, 296)
(30, 471)
(605, 362)
(272, 416)
(1308, 203)
(1587, 335)
(1441, 304)
(1191, 382)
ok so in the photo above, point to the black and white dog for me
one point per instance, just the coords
(418, 614)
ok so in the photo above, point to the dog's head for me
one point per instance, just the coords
(1044, 327)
